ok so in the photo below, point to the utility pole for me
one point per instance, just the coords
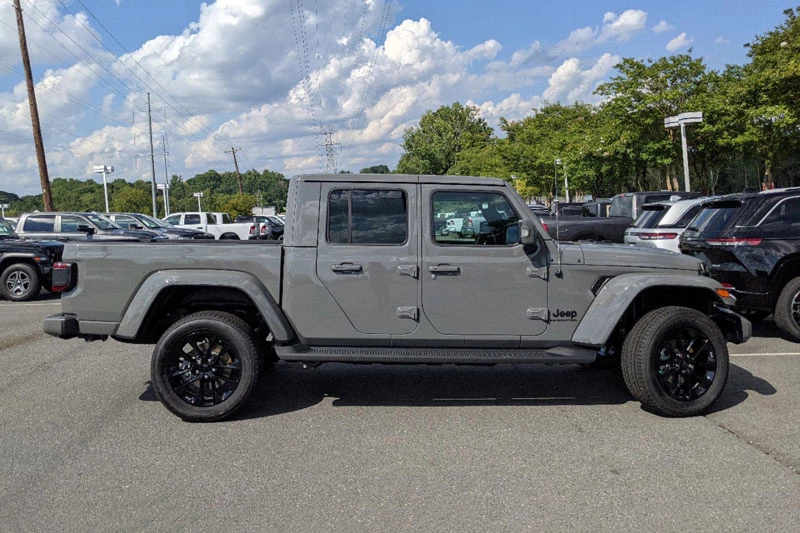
(152, 156)
(236, 164)
(44, 178)
(166, 175)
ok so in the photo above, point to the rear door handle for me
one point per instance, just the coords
(347, 268)
(444, 269)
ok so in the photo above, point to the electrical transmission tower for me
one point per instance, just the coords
(330, 152)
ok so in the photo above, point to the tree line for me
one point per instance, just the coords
(749, 137)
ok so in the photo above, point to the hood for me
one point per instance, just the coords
(50, 248)
(139, 234)
(616, 255)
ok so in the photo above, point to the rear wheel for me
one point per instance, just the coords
(20, 282)
(675, 361)
(787, 310)
(205, 366)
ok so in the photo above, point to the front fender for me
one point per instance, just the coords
(617, 295)
(142, 302)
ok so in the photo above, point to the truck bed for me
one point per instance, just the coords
(116, 270)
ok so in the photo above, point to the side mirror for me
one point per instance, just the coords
(527, 232)
(85, 228)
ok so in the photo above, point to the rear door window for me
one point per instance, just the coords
(191, 219)
(367, 216)
(40, 223)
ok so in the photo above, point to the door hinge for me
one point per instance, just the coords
(408, 270)
(534, 272)
(538, 313)
(407, 312)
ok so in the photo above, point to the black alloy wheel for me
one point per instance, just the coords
(675, 361)
(686, 365)
(205, 366)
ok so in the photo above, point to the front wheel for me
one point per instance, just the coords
(675, 361)
(205, 366)
(787, 310)
(20, 282)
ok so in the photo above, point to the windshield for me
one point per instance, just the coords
(649, 218)
(275, 220)
(6, 231)
(102, 222)
(150, 222)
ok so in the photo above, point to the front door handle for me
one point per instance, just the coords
(444, 269)
(347, 268)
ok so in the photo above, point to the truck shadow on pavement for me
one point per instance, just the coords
(285, 389)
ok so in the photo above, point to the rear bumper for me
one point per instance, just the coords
(67, 326)
(62, 325)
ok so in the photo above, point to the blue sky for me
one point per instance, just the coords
(271, 76)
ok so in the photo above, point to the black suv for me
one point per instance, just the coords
(25, 266)
(751, 242)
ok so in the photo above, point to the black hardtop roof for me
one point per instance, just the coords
(402, 178)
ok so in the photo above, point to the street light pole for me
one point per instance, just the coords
(682, 120)
(103, 169)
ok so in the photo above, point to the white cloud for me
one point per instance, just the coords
(620, 28)
(569, 83)
(681, 41)
(662, 26)
(722, 40)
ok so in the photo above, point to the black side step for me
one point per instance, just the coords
(347, 354)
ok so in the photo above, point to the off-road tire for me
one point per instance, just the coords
(20, 282)
(787, 310)
(661, 347)
(205, 366)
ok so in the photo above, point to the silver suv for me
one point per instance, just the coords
(660, 224)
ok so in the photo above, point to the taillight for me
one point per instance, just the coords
(544, 226)
(734, 241)
(656, 236)
(469, 222)
(62, 277)
(253, 229)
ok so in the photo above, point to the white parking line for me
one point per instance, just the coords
(29, 304)
(776, 354)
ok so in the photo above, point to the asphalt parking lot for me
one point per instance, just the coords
(87, 447)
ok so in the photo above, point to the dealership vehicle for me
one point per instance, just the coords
(661, 224)
(25, 266)
(268, 227)
(363, 277)
(621, 211)
(79, 227)
(219, 225)
(142, 221)
(751, 243)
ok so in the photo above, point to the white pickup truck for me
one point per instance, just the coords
(218, 224)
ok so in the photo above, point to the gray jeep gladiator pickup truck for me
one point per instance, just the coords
(362, 276)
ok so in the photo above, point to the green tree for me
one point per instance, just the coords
(132, 200)
(239, 204)
(432, 147)
(378, 169)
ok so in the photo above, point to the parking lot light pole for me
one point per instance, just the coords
(3, 208)
(103, 169)
(682, 120)
(198, 195)
(165, 187)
